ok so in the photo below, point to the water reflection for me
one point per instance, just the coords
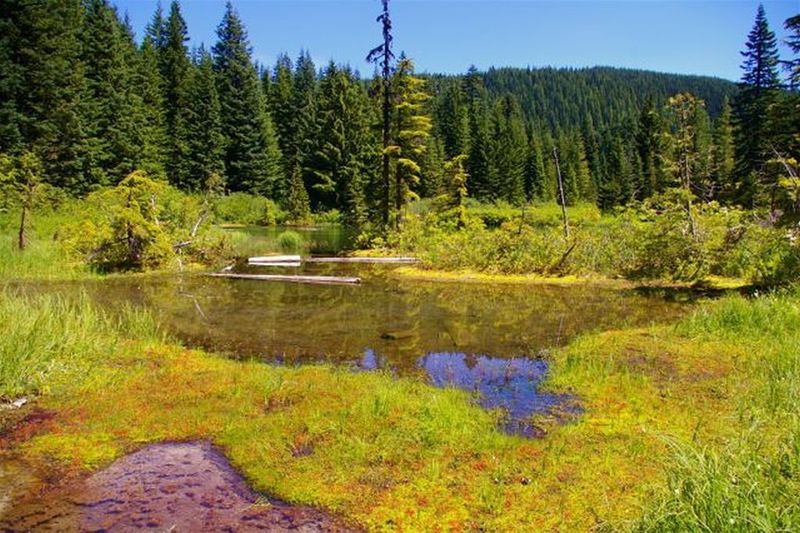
(509, 384)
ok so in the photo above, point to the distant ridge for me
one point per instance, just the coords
(567, 97)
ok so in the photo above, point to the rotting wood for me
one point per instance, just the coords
(322, 280)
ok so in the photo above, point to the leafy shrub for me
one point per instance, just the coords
(140, 224)
(243, 208)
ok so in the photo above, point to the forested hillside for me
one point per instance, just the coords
(603, 96)
(94, 102)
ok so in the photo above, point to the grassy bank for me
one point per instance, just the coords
(715, 397)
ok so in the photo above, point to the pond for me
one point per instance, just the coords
(488, 339)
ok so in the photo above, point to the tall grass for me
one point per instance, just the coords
(47, 339)
(751, 482)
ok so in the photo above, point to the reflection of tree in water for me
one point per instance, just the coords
(399, 320)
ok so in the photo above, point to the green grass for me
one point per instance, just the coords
(48, 341)
(714, 398)
(43, 258)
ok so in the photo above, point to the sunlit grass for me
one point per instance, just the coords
(714, 399)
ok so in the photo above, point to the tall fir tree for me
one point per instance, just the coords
(509, 146)
(304, 96)
(112, 105)
(281, 106)
(452, 121)
(175, 72)
(758, 88)
(205, 141)
(41, 88)
(342, 149)
(412, 126)
(649, 138)
(536, 186)
(150, 86)
(252, 156)
(479, 164)
(383, 57)
(792, 66)
(724, 161)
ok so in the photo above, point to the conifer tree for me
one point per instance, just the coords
(341, 151)
(281, 106)
(303, 112)
(723, 150)
(682, 153)
(41, 86)
(252, 156)
(412, 128)
(112, 105)
(751, 110)
(456, 179)
(297, 203)
(149, 86)
(452, 121)
(509, 150)
(175, 72)
(205, 141)
(704, 148)
(536, 186)
(383, 56)
(156, 29)
(479, 164)
(432, 178)
(792, 66)
(648, 145)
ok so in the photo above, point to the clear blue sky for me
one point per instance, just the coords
(683, 36)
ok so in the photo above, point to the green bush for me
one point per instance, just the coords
(248, 209)
(141, 224)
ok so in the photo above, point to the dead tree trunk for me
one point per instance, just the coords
(562, 198)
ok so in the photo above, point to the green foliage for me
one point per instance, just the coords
(141, 224)
(48, 341)
(243, 208)
(290, 241)
(252, 156)
(412, 127)
(750, 481)
(655, 240)
(297, 204)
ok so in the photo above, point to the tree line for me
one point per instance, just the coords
(94, 104)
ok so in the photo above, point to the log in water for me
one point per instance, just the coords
(275, 259)
(374, 260)
(325, 280)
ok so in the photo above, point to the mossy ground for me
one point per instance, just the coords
(397, 453)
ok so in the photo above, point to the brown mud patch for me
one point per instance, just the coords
(21, 424)
(165, 487)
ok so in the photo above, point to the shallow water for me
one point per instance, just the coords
(485, 338)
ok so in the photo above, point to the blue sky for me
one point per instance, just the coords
(683, 36)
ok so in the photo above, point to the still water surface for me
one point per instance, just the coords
(488, 339)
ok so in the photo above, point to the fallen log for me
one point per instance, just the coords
(275, 259)
(375, 260)
(323, 280)
(271, 264)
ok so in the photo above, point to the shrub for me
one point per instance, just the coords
(243, 208)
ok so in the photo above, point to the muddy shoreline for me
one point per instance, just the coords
(178, 486)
